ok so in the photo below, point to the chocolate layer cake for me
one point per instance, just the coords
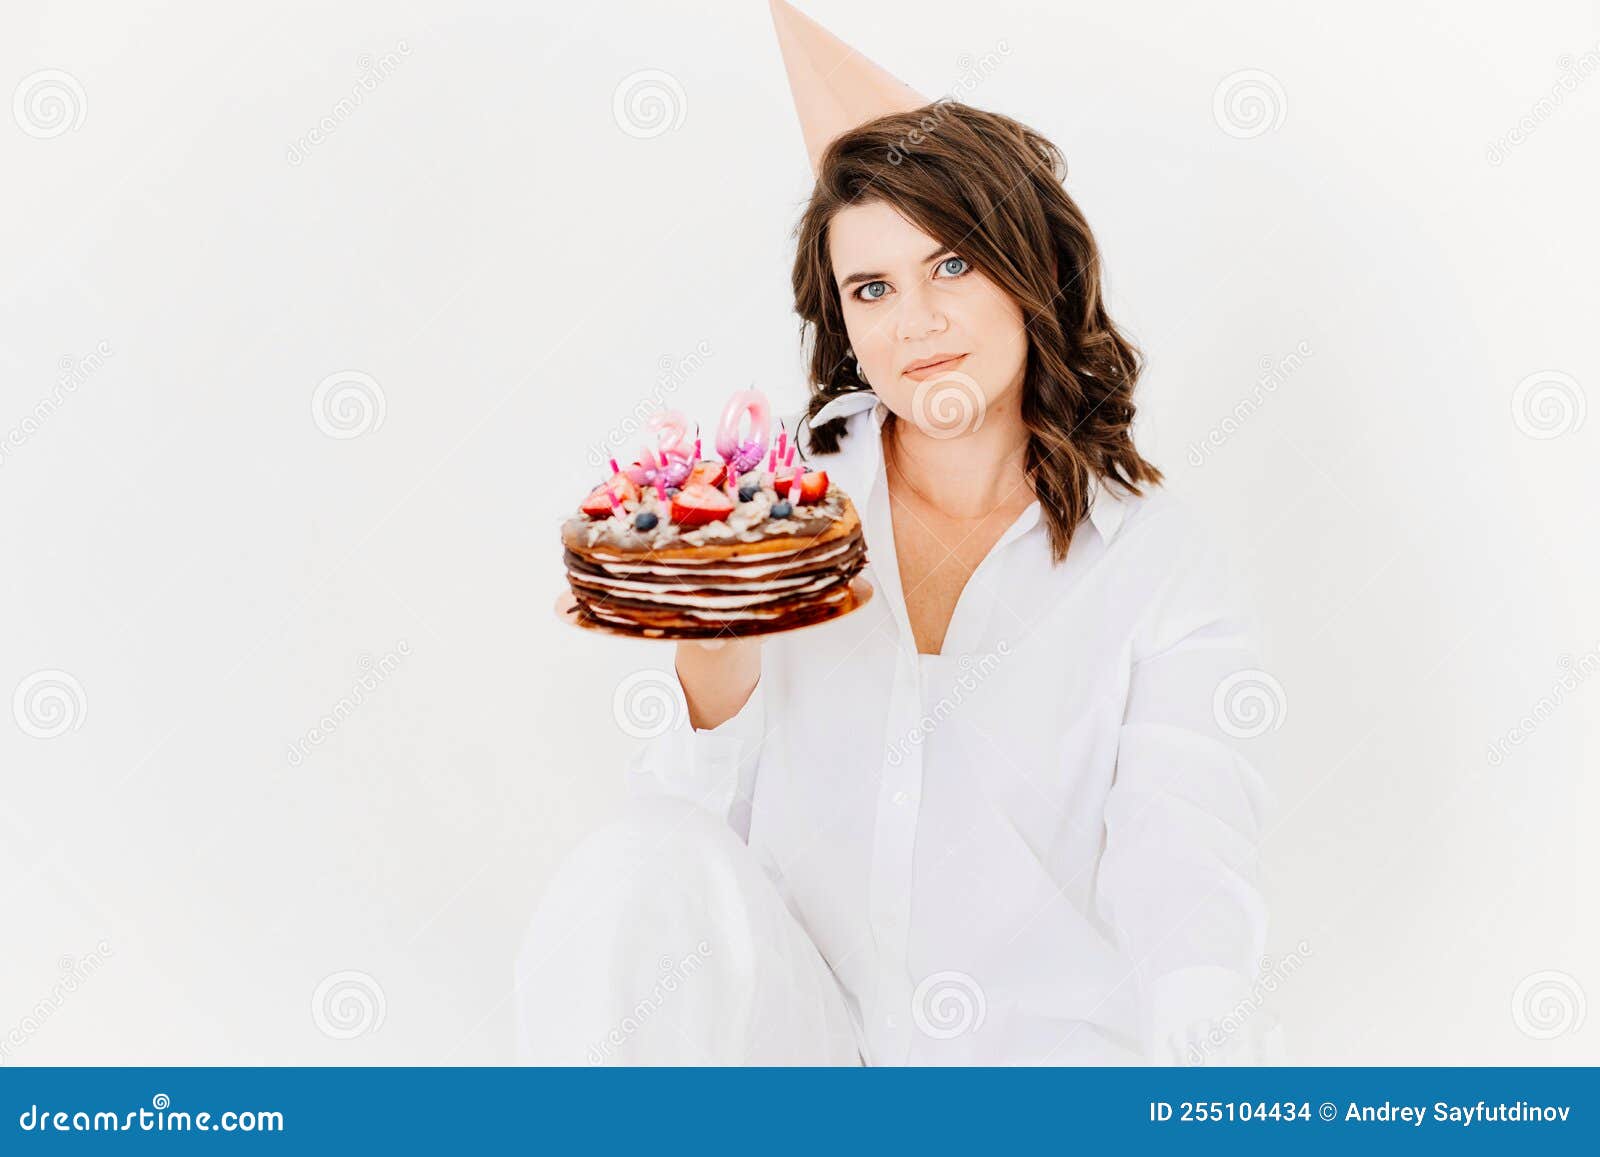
(711, 559)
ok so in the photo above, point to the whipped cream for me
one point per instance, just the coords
(749, 521)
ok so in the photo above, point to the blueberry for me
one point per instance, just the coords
(781, 509)
(671, 490)
(645, 520)
(746, 493)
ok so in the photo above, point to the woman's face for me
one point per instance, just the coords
(907, 299)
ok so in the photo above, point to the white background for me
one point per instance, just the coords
(482, 237)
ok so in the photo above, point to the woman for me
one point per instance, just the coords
(1004, 813)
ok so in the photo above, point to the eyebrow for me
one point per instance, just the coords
(856, 278)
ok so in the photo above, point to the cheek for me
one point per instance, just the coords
(999, 334)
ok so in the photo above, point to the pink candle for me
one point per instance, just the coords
(788, 459)
(697, 449)
(615, 469)
(783, 439)
(794, 490)
(661, 489)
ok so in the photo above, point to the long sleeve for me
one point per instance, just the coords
(714, 768)
(1179, 878)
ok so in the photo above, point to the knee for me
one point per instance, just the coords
(661, 866)
(662, 891)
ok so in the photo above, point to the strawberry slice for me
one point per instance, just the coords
(699, 503)
(597, 505)
(709, 473)
(813, 484)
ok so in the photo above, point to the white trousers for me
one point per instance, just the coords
(661, 942)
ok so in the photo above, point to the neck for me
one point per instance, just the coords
(970, 476)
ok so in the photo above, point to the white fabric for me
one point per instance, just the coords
(660, 942)
(1036, 847)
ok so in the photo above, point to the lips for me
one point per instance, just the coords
(930, 367)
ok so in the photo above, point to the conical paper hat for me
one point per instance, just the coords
(835, 88)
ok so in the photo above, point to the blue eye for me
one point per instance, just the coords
(865, 296)
(960, 262)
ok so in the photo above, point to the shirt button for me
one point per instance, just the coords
(901, 797)
(890, 1022)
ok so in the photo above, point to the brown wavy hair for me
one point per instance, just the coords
(989, 189)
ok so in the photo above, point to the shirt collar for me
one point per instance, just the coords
(1106, 509)
(852, 403)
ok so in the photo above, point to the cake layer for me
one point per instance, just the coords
(751, 574)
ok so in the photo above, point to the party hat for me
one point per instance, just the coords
(835, 88)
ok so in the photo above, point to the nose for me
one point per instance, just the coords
(919, 316)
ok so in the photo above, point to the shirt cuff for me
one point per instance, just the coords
(712, 768)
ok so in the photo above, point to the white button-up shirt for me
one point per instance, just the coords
(1038, 846)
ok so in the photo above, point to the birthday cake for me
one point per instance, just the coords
(676, 546)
